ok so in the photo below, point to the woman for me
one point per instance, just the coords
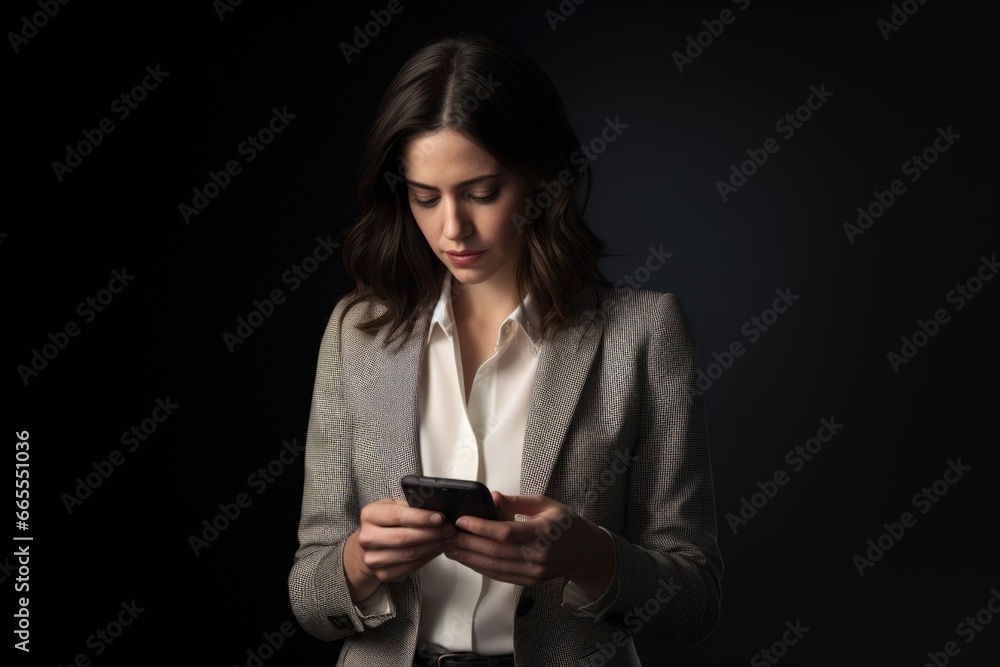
(483, 343)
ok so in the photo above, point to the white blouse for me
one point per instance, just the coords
(462, 610)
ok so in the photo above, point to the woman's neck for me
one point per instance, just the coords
(484, 302)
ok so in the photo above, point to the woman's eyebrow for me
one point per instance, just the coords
(460, 185)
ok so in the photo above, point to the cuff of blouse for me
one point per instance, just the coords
(375, 604)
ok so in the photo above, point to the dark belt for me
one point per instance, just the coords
(467, 660)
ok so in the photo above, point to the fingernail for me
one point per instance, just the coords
(436, 518)
(462, 523)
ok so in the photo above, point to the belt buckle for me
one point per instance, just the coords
(455, 655)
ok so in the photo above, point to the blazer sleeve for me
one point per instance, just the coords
(317, 584)
(668, 568)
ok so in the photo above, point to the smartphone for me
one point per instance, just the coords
(451, 497)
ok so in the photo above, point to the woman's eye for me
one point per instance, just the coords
(431, 203)
(423, 204)
(485, 199)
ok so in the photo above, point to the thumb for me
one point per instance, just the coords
(526, 505)
(503, 504)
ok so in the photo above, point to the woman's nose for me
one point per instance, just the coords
(456, 220)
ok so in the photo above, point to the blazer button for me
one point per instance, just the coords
(343, 621)
(524, 606)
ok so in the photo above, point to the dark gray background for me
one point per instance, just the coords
(656, 185)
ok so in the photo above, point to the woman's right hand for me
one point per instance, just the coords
(394, 540)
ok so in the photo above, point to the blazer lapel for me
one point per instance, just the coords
(395, 394)
(563, 367)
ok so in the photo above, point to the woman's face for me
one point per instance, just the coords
(464, 201)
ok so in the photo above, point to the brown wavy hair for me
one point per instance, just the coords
(487, 88)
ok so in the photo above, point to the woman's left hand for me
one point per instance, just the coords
(555, 542)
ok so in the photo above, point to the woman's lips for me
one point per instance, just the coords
(466, 258)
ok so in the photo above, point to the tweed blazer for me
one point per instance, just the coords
(615, 430)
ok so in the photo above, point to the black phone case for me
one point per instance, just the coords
(451, 497)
